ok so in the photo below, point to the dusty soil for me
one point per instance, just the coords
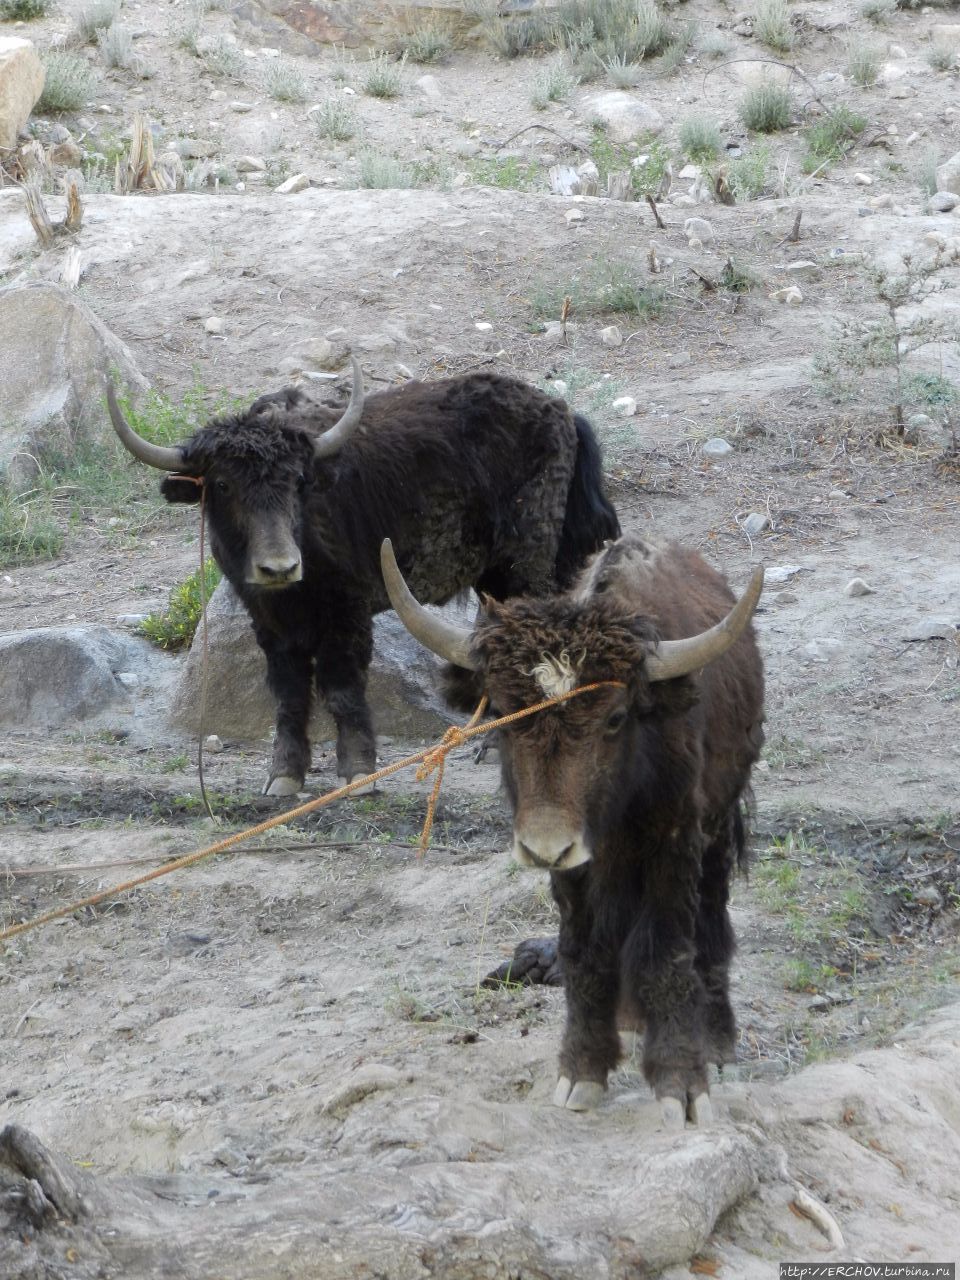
(297, 1032)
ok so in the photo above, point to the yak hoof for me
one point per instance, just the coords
(282, 785)
(700, 1111)
(671, 1113)
(585, 1095)
(361, 791)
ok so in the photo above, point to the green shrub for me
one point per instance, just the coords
(426, 44)
(772, 26)
(942, 55)
(509, 173)
(830, 138)
(285, 82)
(176, 626)
(863, 63)
(766, 108)
(336, 119)
(384, 76)
(611, 157)
(28, 529)
(96, 17)
(878, 11)
(552, 84)
(602, 286)
(700, 138)
(379, 171)
(748, 176)
(22, 10)
(67, 84)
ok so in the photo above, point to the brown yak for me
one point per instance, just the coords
(629, 795)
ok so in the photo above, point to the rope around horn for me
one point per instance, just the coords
(429, 758)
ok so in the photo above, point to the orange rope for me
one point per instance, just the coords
(431, 757)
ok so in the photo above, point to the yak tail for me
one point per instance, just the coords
(589, 520)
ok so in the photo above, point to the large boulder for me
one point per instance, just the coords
(54, 676)
(948, 174)
(56, 356)
(21, 83)
(626, 118)
(402, 689)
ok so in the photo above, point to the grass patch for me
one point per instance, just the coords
(384, 76)
(772, 25)
(67, 84)
(284, 82)
(612, 157)
(766, 108)
(942, 55)
(335, 119)
(23, 10)
(930, 390)
(748, 176)
(225, 60)
(700, 138)
(601, 287)
(175, 627)
(117, 49)
(864, 61)
(426, 44)
(29, 531)
(552, 84)
(878, 12)
(510, 173)
(94, 18)
(379, 171)
(829, 139)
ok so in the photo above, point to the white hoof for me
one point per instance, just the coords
(562, 1092)
(361, 791)
(700, 1111)
(585, 1096)
(282, 786)
(671, 1113)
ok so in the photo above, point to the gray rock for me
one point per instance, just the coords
(698, 229)
(944, 201)
(948, 175)
(857, 587)
(402, 688)
(21, 83)
(626, 117)
(196, 148)
(611, 336)
(52, 676)
(755, 523)
(931, 629)
(717, 448)
(56, 355)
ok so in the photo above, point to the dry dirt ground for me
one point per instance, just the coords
(282, 1063)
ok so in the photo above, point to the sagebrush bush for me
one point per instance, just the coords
(335, 119)
(383, 77)
(864, 61)
(94, 18)
(67, 83)
(22, 10)
(552, 84)
(285, 82)
(766, 108)
(700, 138)
(772, 26)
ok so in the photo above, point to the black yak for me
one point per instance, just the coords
(482, 481)
(629, 795)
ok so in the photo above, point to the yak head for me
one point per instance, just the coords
(572, 770)
(253, 471)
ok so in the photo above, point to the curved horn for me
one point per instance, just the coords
(673, 658)
(154, 455)
(332, 441)
(442, 638)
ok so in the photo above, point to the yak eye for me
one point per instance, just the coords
(221, 486)
(615, 721)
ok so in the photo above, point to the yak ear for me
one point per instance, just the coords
(674, 697)
(180, 489)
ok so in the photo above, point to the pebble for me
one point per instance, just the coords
(782, 572)
(857, 587)
(251, 164)
(755, 523)
(863, 179)
(611, 336)
(944, 201)
(129, 679)
(717, 447)
(625, 405)
(558, 387)
(213, 743)
(214, 324)
(786, 597)
(241, 108)
(575, 216)
(698, 229)
(131, 619)
(483, 326)
(791, 295)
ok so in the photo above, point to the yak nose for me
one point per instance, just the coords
(277, 571)
(552, 845)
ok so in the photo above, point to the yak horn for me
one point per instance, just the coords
(447, 641)
(154, 455)
(332, 441)
(673, 658)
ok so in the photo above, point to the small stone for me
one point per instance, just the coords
(791, 295)
(129, 679)
(782, 572)
(251, 164)
(625, 405)
(484, 326)
(944, 201)
(241, 108)
(698, 229)
(881, 202)
(217, 95)
(196, 148)
(932, 629)
(298, 182)
(717, 448)
(575, 216)
(429, 86)
(680, 360)
(213, 743)
(755, 523)
(863, 179)
(857, 587)
(611, 336)
(131, 619)
(558, 387)
(786, 597)
(214, 324)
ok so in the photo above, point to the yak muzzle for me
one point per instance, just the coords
(275, 572)
(548, 842)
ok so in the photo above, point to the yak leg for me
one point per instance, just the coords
(658, 964)
(591, 1045)
(290, 677)
(715, 947)
(342, 679)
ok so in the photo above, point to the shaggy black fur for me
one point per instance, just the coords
(480, 481)
(654, 775)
